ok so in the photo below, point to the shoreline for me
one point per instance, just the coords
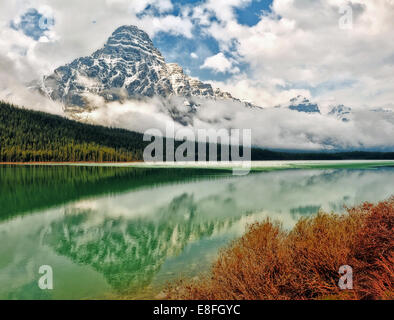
(254, 166)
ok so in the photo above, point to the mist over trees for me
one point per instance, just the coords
(36, 136)
(33, 136)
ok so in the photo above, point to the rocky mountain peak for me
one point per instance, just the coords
(130, 32)
(127, 67)
(131, 41)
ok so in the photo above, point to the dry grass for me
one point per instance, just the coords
(270, 263)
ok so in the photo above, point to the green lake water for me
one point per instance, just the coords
(115, 232)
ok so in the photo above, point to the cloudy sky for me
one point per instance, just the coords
(264, 51)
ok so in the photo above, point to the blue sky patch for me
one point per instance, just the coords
(191, 53)
(33, 24)
(250, 15)
(188, 53)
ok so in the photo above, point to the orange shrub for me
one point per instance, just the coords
(271, 263)
(374, 253)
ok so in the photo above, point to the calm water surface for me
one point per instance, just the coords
(116, 232)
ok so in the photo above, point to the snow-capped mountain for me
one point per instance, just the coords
(302, 104)
(128, 67)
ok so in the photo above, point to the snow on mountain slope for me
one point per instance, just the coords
(128, 67)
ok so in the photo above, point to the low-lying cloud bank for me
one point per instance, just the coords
(278, 128)
(14, 90)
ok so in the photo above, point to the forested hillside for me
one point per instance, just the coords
(27, 135)
(32, 136)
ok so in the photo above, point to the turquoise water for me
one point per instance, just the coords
(111, 232)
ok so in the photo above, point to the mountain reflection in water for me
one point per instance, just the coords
(123, 231)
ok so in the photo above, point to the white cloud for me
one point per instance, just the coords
(194, 55)
(139, 6)
(14, 91)
(271, 128)
(264, 92)
(301, 45)
(219, 63)
(224, 9)
(171, 24)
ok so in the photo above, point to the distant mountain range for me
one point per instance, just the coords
(302, 104)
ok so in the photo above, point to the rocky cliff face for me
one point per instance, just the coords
(128, 67)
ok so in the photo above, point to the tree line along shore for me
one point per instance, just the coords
(33, 136)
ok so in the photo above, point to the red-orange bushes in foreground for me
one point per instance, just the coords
(271, 263)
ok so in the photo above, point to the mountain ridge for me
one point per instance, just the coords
(129, 66)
